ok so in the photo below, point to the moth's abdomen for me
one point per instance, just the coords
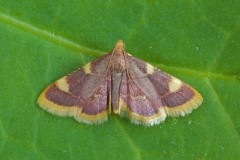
(116, 79)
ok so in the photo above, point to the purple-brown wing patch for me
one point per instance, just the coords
(81, 94)
(158, 78)
(94, 110)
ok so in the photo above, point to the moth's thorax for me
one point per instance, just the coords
(118, 60)
(118, 63)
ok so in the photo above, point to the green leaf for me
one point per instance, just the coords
(196, 41)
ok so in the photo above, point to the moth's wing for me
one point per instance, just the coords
(140, 106)
(177, 97)
(82, 94)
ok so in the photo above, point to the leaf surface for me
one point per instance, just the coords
(196, 41)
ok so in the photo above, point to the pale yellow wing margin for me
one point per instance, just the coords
(140, 118)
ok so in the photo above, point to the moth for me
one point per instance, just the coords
(123, 84)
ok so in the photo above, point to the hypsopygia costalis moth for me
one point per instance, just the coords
(130, 87)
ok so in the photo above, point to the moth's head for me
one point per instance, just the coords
(119, 47)
(118, 62)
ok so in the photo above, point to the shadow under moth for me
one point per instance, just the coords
(123, 84)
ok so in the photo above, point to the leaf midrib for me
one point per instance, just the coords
(85, 50)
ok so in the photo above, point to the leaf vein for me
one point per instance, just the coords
(136, 149)
(223, 108)
(46, 35)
